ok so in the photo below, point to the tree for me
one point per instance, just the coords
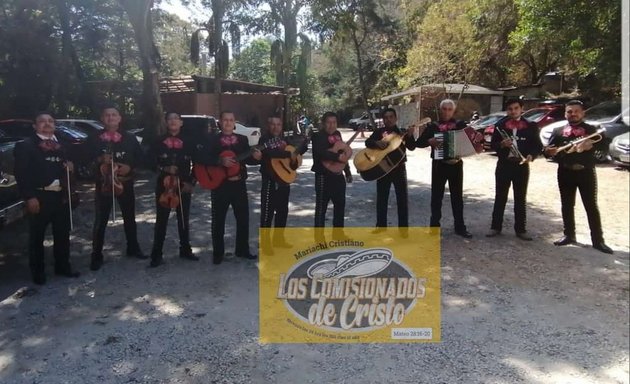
(254, 63)
(139, 12)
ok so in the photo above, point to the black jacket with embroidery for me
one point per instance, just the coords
(126, 151)
(164, 155)
(433, 128)
(378, 134)
(321, 143)
(208, 153)
(37, 165)
(563, 135)
(276, 151)
(526, 134)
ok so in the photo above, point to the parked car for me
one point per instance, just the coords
(199, 125)
(364, 121)
(74, 140)
(620, 150)
(543, 116)
(11, 205)
(485, 126)
(89, 127)
(607, 115)
(252, 133)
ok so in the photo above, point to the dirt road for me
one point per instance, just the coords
(512, 312)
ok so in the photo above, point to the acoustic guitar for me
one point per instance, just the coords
(213, 176)
(340, 147)
(285, 169)
(372, 163)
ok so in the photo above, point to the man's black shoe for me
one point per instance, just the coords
(68, 273)
(603, 248)
(248, 256)
(465, 234)
(156, 262)
(137, 254)
(217, 259)
(188, 256)
(564, 240)
(95, 265)
(493, 233)
(524, 236)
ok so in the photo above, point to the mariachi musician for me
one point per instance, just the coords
(576, 170)
(274, 194)
(117, 154)
(397, 176)
(42, 172)
(446, 169)
(232, 191)
(172, 154)
(517, 143)
(328, 185)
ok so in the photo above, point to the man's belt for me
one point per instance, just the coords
(451, 161)
(573, 167)
(51, 188)
(234, 178)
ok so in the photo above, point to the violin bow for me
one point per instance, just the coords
(179, 192)
(69, 197)
(113, 194)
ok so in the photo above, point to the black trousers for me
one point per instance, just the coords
(231, 193)
(182, 212)
(274, 203)
(52, 211)
(398, 177)
(329, 187)
(585, 180)
(103, 207)
(454, 174)
(510, 173)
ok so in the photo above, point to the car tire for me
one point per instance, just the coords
(602, 156)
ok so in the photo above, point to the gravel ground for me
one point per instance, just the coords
(512, 312)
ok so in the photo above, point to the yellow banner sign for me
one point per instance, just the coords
(351, 285)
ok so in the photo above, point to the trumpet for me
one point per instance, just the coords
(572, 146)
(513, 148)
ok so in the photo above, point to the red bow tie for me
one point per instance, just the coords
(173, 143)
(111, 137)
(332, 139)
(445, 127)
(573, 130)
(228, 140)
(515, 124)
(49, 145)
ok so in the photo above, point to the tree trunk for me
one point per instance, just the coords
(71, 58)
(289, 23)
(362, 85)
(139, 12)
(218, 11)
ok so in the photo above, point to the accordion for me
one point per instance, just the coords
(456, 144)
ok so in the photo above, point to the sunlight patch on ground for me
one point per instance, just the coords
(167, 306)
(34, 341)
(555, 373)
(6, 360)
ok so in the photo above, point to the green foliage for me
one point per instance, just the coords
(254, 63)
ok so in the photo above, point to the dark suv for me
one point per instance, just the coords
(199, 125)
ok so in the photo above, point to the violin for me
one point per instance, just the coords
(170, 197)
(109, 173)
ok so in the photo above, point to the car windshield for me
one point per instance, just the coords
(490, 119)
(75, 134)
(535, 115)
(602, 112)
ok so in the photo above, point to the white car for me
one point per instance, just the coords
(252, 133)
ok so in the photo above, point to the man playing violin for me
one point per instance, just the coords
(41, 166)
(446, 169)
(576, 170)
(172, 157)
(222, 149)
(274, 194)
(329, 186)
(397, 176)
(511, 136)
(117, 154)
